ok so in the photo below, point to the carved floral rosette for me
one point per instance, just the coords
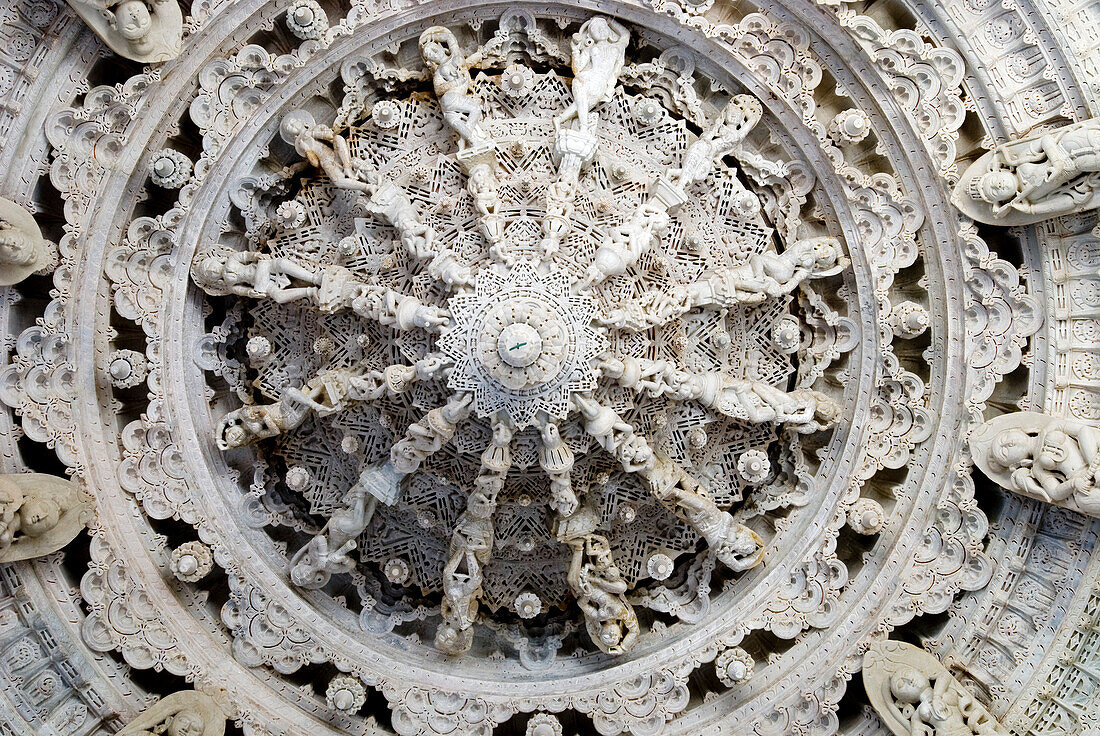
(151, 455)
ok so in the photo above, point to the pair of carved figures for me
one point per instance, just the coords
(1034, 178)
(183, 713)
(39, 514)
(1053, 459)
(916, 696)
(147, 31)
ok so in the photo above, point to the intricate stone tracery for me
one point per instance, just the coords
(476, 361)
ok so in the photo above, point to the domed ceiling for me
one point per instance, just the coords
(677, 367)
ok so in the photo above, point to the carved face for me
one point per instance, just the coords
(15, 247)
(39, 515)
(611, 633)
(132, 20)
(599, 30)
(306, 574)
(998, 186)
(434, 53)
(186, 723)
(1011, 448)
(824, 255)
(235, 435)
(908, 684)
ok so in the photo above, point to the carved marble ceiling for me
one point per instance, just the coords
(653, 367)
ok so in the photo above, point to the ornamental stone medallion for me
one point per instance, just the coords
(666, 368)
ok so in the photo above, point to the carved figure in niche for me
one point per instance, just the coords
(255, 275)
(39, 514)
(737, 120)
(147, 31)
(599, 50)
(451, 77)
(183, 713)
(916, 696)
(1035, 178)
(322, 148)
(327, 553)
(1053, 459)
(23, 250)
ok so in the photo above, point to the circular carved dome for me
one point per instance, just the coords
(488, 369)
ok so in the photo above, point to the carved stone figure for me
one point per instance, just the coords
(39, 514)
(327, 553)
(23, 250)
(598, 49)
(183, 713)
(451, 76)
(770, 274)
(739, 117)
(915, 695)
(556, 459)
(803, 410)
(322, 148)
(600, 590)
(329, 392)
(148, 31)
(764, 276)
(1053, 459)
(628, 243)
(246, 273)
(1034, 178)
(472, 546)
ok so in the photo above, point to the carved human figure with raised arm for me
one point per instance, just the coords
(1029, 180)
(916, 696)
(1053, 459)
(763, 276)
(601, 590)
(147, 31)
(322, 148)
(451, 77)
(737, 120)
(599, 50)
(327, 554)
(183, 713)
